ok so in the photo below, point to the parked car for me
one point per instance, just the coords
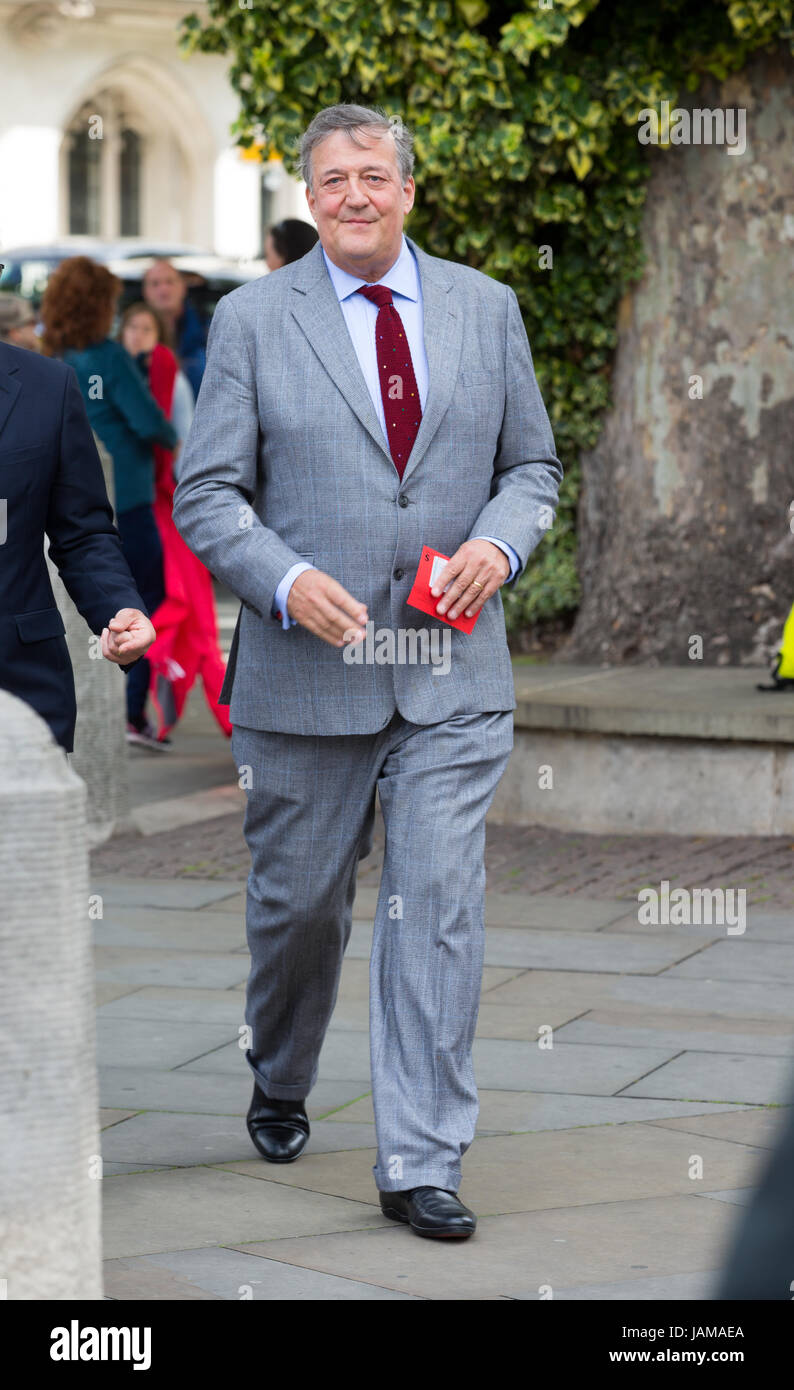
(210, 277)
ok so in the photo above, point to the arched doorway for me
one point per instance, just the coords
(137, 159)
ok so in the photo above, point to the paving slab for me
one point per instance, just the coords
(206, 1093)
(169, 967)
(107, 990)
(700, 1286)
(553, 1168)
(512, 1112)
(737, 1196)
(109, 1116)
(758, 1126)
(158, 817)
(111, 1167)
(739, 959)
(716, 1025)
(131, 1042)
(185, 929)
(220, 1273)
(692, 938)
(583, 1030)
(163, 892)
(515, 1255)
(179, 1207)
(761, 926)
(737, 999)
(552, 911)
(575, 1067)
(161, 1137)
(719, 1076)
(141, 1278)
(235, 902)
(169, 1003)
(583, 992)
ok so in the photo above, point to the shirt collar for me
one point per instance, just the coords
(401, 277)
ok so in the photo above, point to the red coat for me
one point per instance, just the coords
(187, 630)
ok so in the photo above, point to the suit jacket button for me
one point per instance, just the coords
(403, 500)
(398, 574)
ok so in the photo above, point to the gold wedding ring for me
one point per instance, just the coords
(475, 585)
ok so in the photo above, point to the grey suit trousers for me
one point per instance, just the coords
(309, 817)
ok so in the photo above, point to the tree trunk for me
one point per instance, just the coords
(684, 514)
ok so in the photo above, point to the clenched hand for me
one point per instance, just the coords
(127, 636)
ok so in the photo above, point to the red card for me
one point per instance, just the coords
(420, 596)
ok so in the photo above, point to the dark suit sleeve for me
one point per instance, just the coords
(84, 543)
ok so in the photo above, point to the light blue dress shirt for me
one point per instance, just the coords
(360, 315)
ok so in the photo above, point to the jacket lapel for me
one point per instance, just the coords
(319, 314)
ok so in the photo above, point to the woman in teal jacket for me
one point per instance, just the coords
(77, 311)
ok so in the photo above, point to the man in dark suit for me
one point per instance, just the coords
(51, 482)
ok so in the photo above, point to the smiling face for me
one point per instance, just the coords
(359, 202)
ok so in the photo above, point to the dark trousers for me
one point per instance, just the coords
(140, 540)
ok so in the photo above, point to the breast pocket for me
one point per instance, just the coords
(20, 471)
(494, 380)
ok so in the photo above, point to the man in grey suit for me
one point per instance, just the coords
(311, 481)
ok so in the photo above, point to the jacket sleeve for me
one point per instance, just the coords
(215, 492)
(84, 543)
(133, 398)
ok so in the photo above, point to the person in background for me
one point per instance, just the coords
(287, 241)
(18, 323)
(165, 291)
(77, 310)
(140, 330)
(187, 627)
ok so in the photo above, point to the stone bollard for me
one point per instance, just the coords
(50, 1191)
(100, 746)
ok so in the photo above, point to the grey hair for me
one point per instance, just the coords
(351, 118)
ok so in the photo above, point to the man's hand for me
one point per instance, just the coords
(320, 604)
(477, 570)
(127, 636)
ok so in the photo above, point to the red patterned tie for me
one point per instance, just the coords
(398, 389)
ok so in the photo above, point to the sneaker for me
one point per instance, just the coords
(146, 736)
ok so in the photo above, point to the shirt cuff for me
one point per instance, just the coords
(515, 563)
(279, 607)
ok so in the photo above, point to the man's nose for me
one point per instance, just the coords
(356, 193)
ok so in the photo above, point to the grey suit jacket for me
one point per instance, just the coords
(286, 461)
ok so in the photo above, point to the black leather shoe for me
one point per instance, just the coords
(430, 1211)
(278, 1128)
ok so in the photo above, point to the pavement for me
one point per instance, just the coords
(631, 1078)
